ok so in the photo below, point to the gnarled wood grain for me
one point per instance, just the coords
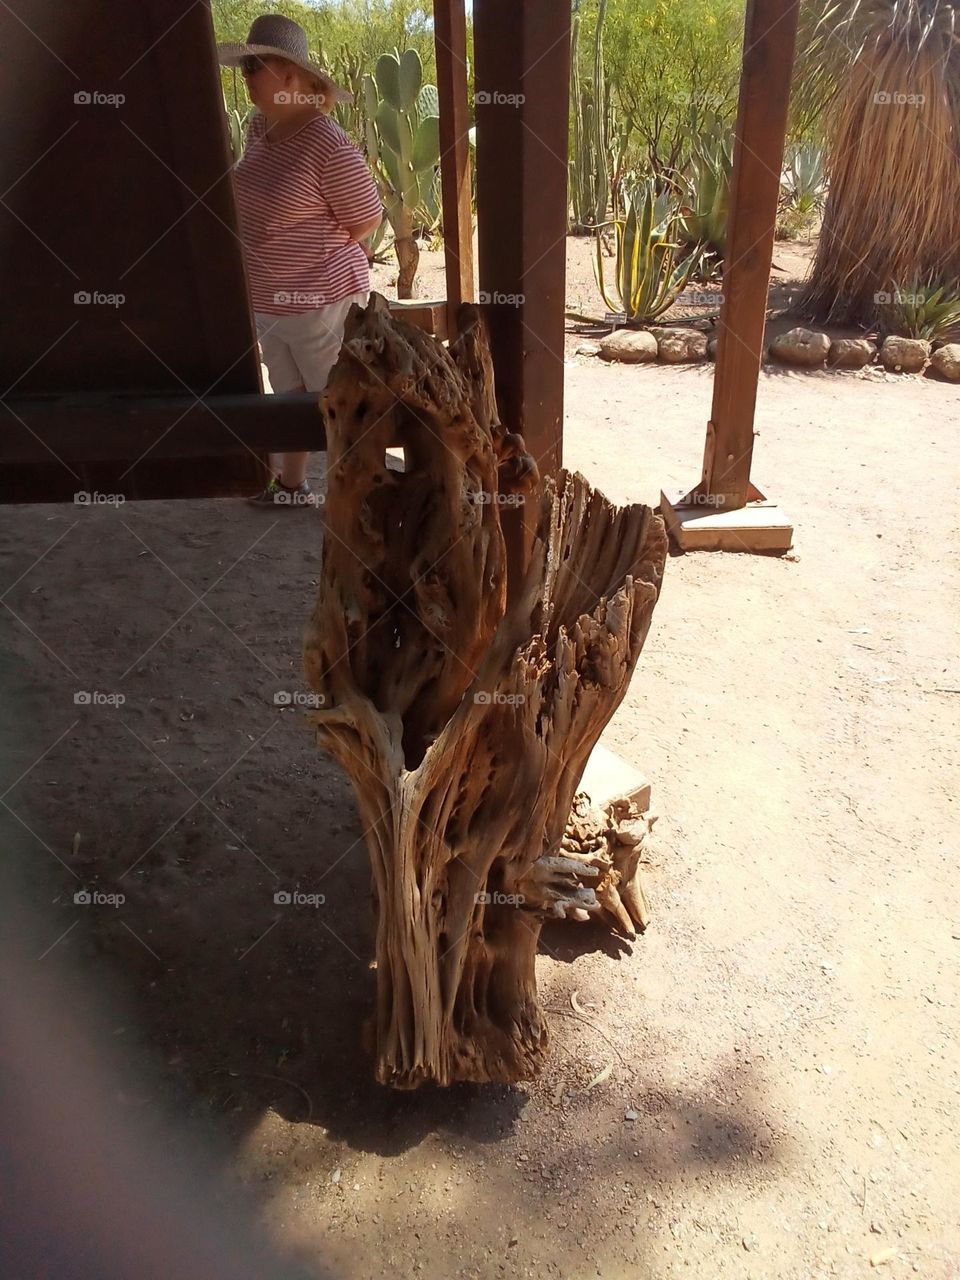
(465, 727)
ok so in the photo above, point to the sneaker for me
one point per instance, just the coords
(278, 494)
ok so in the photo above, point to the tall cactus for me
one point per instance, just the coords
(599, 142)
(346, 67)
(403, 147)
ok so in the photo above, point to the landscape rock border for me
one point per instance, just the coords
(798, 348)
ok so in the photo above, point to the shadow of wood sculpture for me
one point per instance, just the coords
(465, 726)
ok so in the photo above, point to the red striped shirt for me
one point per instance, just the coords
(295, 199)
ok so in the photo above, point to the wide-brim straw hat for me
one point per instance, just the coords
(273, 36)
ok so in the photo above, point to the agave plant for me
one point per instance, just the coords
(803, 181)
(650, 272)
(802, 191)
(380, 241)
(706, 190)
(923, 309)
(890, 72)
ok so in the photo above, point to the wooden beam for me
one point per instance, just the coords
(522, 64)
(113, 428)
(768, 53)
(450, 37)
(431, 316)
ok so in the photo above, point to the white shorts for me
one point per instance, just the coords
(300, 350)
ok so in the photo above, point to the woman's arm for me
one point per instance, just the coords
(346, 184)
(363, 229)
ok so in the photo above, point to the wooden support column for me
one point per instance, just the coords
(725, 510)
(522, 79)
(450, 37)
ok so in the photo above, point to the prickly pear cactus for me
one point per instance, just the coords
(403, 146)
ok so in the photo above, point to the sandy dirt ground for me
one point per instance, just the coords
(778, 1053)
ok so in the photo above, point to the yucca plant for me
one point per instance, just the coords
(650, 268)
(924, 309)
(890, 72)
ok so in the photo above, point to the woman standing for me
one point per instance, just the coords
(305, 200)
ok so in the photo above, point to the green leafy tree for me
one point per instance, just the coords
(674, 64)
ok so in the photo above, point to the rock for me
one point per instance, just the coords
(804, 348)
(630, 1114)
(946, 361)
(680, 346)
(904, 355)
(851, 353)
(632, 346)
(884, 1255)
(588, 349)
(712, 348)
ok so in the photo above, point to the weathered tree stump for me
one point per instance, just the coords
(464, 726)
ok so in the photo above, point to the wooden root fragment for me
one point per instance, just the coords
(597, 871)
(465, 727)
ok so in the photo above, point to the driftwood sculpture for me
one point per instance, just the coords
(465, 726)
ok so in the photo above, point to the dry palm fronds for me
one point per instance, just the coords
(893, 212)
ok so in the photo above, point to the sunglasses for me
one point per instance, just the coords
(251, 65)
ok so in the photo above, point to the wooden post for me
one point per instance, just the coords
(706, 517)
(450, 37)
(522, 78)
